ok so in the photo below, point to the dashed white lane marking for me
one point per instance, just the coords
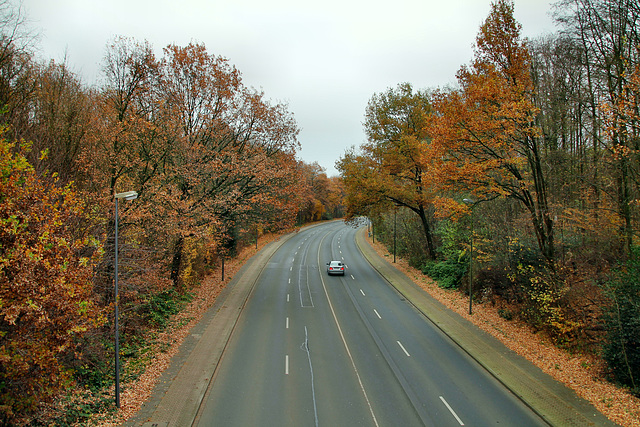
(452, 411)
(353, 277)
(362, 292)
(403, 349)
(287, 323)
(286, 364)
(287, 297)
(377, 314)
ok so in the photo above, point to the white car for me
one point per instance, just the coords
(335, 267)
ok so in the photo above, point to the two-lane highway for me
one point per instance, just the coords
(311, 349)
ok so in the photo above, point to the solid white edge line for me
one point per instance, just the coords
(377, 314)
(452, 411)
(403, 349)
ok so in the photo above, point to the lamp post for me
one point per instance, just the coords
(470, 203)
(129, 195)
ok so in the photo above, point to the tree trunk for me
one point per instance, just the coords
(176, 263)
(428, 233)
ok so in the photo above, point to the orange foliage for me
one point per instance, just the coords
(46, 270)
(398, 164)
(487, 127)
(321, 197)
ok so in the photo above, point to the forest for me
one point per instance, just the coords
(520, 184)
(214, 166)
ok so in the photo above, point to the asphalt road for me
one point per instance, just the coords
(311, 349)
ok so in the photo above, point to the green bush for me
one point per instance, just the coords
(621, 349)
(95, 371)
(505, 314)
(447, 273)
(161, 306)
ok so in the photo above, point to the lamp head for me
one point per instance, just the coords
(129, 195)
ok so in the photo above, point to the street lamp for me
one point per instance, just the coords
(129, 195)
(470, 203)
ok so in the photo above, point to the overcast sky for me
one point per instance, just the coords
(325, 59)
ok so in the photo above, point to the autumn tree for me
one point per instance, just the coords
(488, 126)
(230, 146)
(129, 68)
(46, 270)
(315, 191)
(622, 124)
(396, 162)
(122, 150)
(17, 80)
(606, 32)
(61, 111)
(335, 197)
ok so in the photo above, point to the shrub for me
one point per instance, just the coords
(544, 302)
(621, 319)
(46, 299)
(505, 314)
(161, 306)
(447, 273)
(496, 280)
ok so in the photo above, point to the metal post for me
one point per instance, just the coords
(471, 266)
(129, 195)
(116, 315)
(471, 204)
